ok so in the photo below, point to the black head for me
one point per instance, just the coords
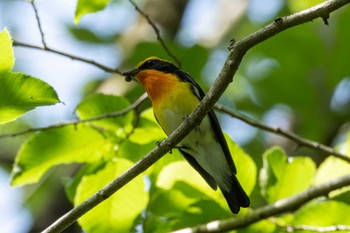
(153, 63)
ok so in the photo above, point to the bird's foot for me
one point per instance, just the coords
(158, 143)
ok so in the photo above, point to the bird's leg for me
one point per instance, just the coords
(158, 143)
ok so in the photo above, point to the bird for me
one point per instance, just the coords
(174, 95)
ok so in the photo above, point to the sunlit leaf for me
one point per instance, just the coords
(246, 168)
(328, 213)
(20, 93)
(133, 151)
(169, 203)
(81, 144)
(98, 104)
(184, 205)
(145, 135)
(181, 171)
(88, 6)
(281, 178)
(117, 213)
(148, 129)
(86, 34)
(265, 226)
(71, 184)
(201, 212)
(332, 167)
(7, 59)
(299, 5)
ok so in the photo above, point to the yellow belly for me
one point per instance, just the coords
(175, 107)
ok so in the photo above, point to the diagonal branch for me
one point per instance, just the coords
(290, 228)
(39, 23)
(156, 30)
(133, 106)
(225, 77)
(276, 130)
(278, 207)
(71, 56)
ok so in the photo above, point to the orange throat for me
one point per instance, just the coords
(158, 85)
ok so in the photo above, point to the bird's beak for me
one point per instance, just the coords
(130, 74)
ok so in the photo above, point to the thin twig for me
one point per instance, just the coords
(278, 207)
(276, 130)
(74, 57)
(133, 106)
(156, 30)
(225, 77)
(39, 23)
(290, 228)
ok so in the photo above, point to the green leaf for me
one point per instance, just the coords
(169, 203)
(299, 5)
(329, 213)
(246, 168)
(71, 184)
(20, 93)
(182, 172)
(201, 212)
(134, 151)
(246, 174)
(85, 34)
(147, 130)
(266, 226)
(332, 167)
(98, 104)
(274, 163)
(280, 179)
(7, 60)
(184, 202)
(117, 213)
(145, 135)
(88, 6)
(81, 144)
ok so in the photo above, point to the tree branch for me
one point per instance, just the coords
(133, 106)
(291, 228)
(156, 30)
(39, 23)
(276, 130)
(278, 207)
(225, 77)
(71, 56)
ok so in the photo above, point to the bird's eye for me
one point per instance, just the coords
(150, 63)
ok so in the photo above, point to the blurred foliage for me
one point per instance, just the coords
(298, 80)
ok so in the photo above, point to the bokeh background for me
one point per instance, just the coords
(299, 80)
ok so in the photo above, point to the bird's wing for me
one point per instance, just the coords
(193, 162)
(206, 176)
(197, 90)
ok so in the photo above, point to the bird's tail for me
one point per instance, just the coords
(236, 197)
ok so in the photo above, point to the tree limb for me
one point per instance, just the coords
(39, 23)
(71, 56)
(133, 106)
(334, 228)
(225, 77)
(276, 130)
(156, 30)
(278, 207)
